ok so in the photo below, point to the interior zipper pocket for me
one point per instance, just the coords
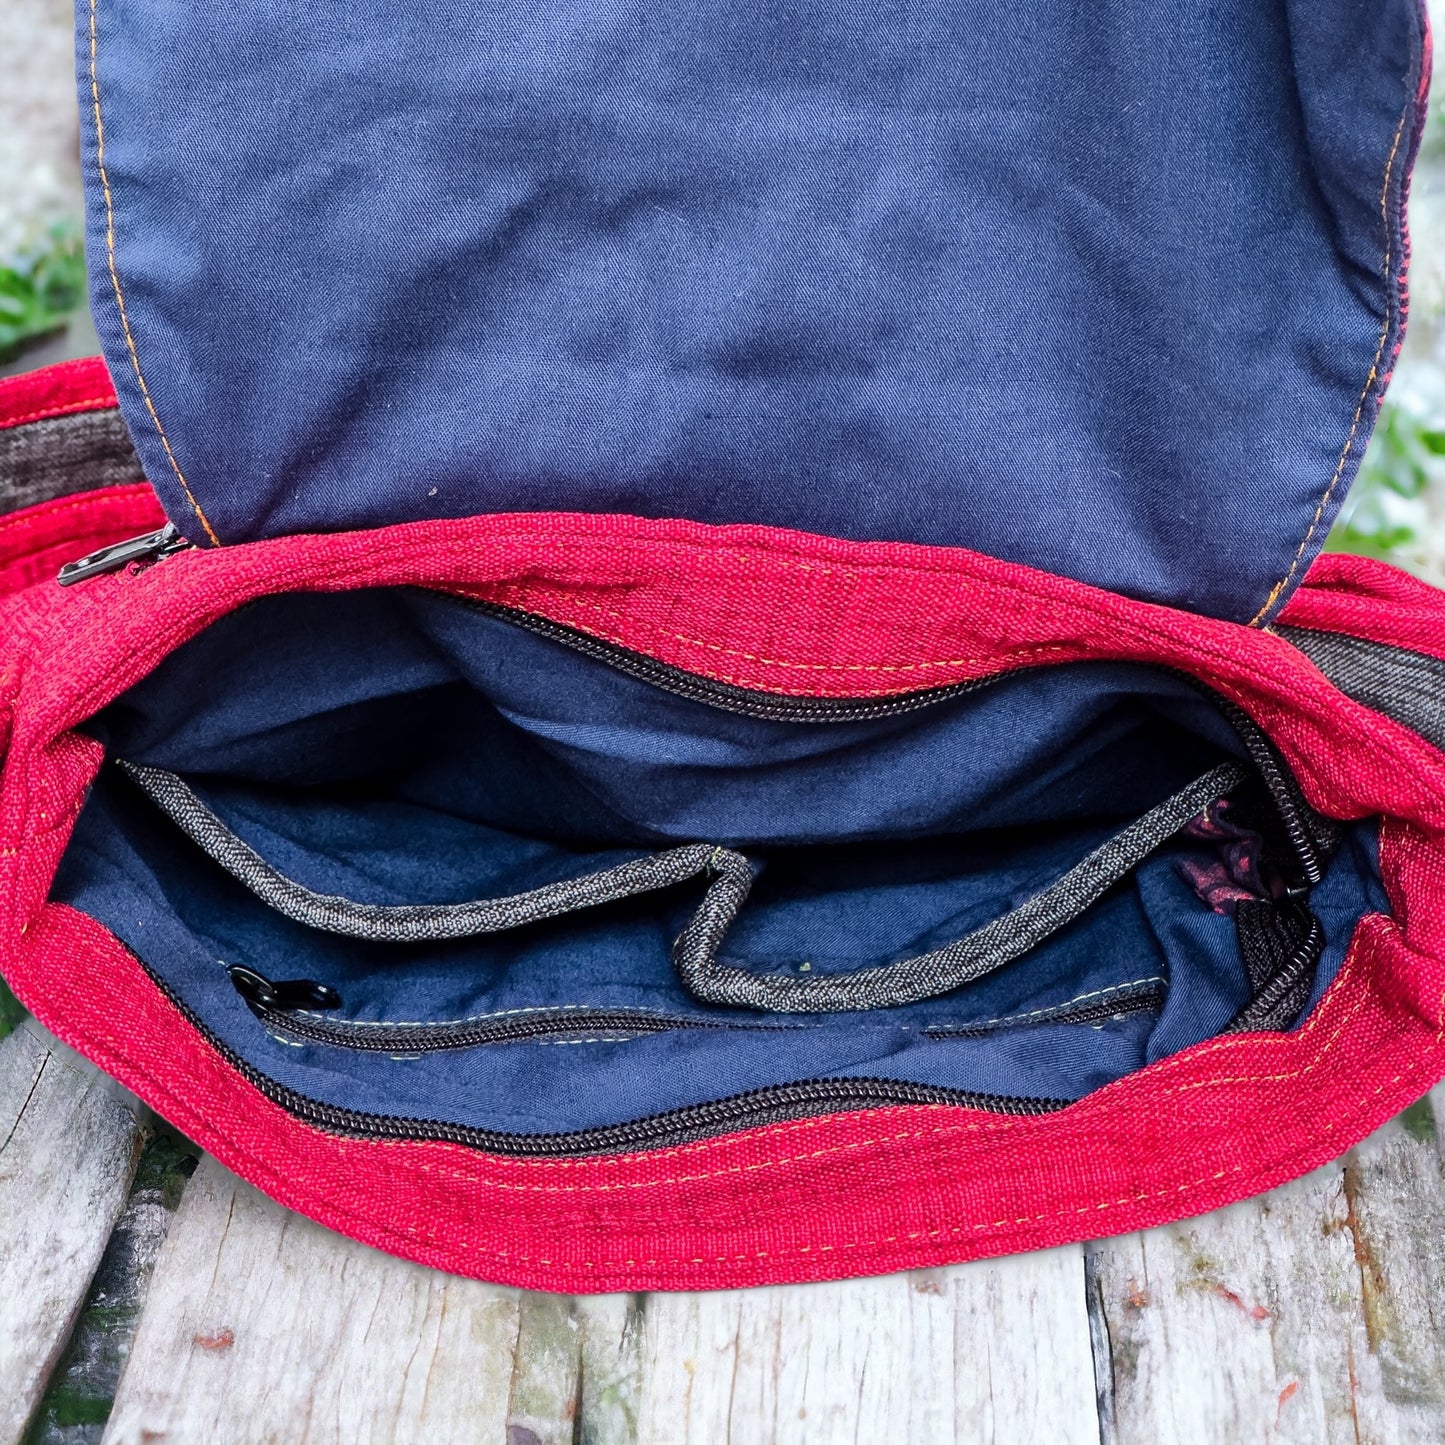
(291, 1008)
(672, 1128)
(728, 875)
(352, 760)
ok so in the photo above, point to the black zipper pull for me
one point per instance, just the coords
(151, 547)
(287, 993)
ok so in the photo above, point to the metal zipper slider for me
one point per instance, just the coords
(286, 993)
(151, 547)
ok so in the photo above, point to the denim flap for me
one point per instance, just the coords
(1111, 289)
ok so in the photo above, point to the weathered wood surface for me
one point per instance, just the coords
(1310, 1314)
(997, 1351)
(68, 1148)
(261, 1326)
(1307, 1315)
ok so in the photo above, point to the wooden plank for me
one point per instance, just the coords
(993, 1351)
(1310, 1314)
(261, 1326)
(82, 1388)
(68, 1148)
(610, 1360)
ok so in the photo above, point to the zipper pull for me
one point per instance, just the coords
(287, 993)
(151, 547)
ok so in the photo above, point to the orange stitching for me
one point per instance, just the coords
(115, 284)
(1000, 1124)
(1104, 1206)
(86, 500)
(1040, 649)
(1369, 380)
(91, 403)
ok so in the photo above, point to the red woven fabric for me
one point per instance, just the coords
(71, 386)
(854, 1193)
(1356, 595)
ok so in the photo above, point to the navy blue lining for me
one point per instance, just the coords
(404, 748)
(1104, 288)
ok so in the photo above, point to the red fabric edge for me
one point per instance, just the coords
(860, 1193)
(1368, 599)
(847, 1194)
(36, 542)
(59, 390)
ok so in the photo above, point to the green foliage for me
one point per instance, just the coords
(11, 1011)
(40, 289)
(1404, 457)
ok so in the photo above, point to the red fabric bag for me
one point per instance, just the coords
(591, 898)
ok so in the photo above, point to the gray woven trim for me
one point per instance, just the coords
(1404, 685)
(911, 980)
(59, 455)
(407, 922)
(730, 878)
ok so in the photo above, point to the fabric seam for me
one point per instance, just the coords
(116, 286)
(1391, 315)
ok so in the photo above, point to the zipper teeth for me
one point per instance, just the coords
(1284, 791)
(782, 1102)
(1289, 800)
(388, 1038)
(1303, 958)
(726, 696)
(366, 1037)
(807, 1098)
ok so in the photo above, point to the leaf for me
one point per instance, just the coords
(1405, 458)
(40, 290)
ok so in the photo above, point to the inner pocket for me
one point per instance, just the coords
(410, 859)
(726, 877)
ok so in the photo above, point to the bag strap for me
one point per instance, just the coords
(730, 876)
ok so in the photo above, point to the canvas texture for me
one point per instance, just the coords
(1073, 288)
(905, 1186)
(732, 684)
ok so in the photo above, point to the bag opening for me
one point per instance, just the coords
(405, 750)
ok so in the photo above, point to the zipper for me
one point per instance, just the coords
(781, 1103)
(726, 696)
(283, 1002)
(288, 1008)
(143, 551)
(1311, 837)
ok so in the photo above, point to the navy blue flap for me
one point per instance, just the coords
(1102, 286)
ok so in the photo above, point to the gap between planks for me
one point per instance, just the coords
(1309, 1314)
(262, 1326)
(69, 1142)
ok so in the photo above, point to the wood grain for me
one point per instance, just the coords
(68, 1149)
(995, 1351)
(81, 1390)
(1309, 1314)
(261, 1326)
